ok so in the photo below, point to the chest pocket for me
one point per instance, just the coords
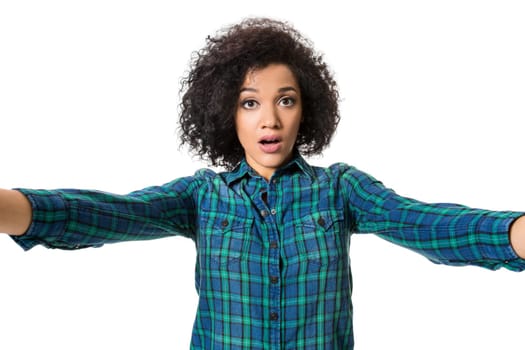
(320, 238)
(225, 238)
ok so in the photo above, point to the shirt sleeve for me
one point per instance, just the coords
(74, 219)
(444, 233)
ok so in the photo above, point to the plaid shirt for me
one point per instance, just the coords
(273, 270)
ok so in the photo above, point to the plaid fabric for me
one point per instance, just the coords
(272, 257)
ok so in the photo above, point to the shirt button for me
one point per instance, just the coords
(274, 316)
(264, 213)
(321, 221)
(273, 211)
(273, 244)
(274, 279)
(224, 223)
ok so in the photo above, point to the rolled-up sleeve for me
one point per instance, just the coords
(445, 233)
(74, 219)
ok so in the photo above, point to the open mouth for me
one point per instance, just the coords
(270, 144)
(269, 140)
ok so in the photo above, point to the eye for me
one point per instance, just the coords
(249, 104)
(287, 101)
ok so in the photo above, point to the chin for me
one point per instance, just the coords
(275, 163)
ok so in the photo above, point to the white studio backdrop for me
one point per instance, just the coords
(432, 104)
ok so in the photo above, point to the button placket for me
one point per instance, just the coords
(268, 214)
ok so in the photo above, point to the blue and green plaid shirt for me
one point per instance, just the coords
(272, 268)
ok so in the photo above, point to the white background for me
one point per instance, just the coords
(433, 105)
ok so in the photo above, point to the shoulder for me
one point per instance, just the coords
(335, 171)
(205, 173)
(343, 173)
(190, 183)
(207, 177)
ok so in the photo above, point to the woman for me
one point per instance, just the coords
(272, 232)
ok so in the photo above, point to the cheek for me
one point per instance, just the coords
(298, 120)
(242, 130)
(245, 122)
(238, 123)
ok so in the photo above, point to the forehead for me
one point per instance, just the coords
(276, 74)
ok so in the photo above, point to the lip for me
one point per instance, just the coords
(273, 147)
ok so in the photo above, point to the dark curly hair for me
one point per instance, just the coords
(210, 91)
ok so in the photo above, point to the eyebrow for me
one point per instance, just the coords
(281, 90)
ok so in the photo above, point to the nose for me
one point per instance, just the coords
(270, 118)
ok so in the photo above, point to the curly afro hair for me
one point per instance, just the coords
(210, 91)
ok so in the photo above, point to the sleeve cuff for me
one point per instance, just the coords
(494, 238)
(49, 218)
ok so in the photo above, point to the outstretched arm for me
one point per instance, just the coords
(445, 233)
(517, 236)
(15, 212)
(76, 218)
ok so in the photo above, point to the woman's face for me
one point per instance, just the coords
(268, 116)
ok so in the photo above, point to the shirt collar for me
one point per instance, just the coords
(243, 169)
